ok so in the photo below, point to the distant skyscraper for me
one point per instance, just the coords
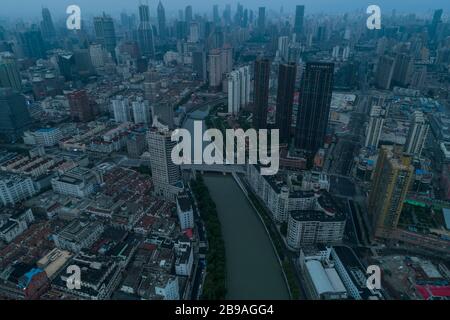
(385, 70)
(121, 109)
(285, 99)
(47, 27)
(188, 14)
(437, 16)
(391, 181)
(215, 68)
(227, 59)
(377, 115)
(283, 48)
(162, 21)
(216, 17)
(417, 135)
(14, 115)
(299, 16)
(145, 32)
(261, 93)
(9, 72)
(261, 19)
(105, 33)
(199, 65)
(314, 106)
(80, 106)
(32, 43)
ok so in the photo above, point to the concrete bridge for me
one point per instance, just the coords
(223, 168)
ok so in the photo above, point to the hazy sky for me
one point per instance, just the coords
(30, 8)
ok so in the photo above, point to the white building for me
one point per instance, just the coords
(121, 109)
(373, 134)
(46, 137)
(97, 55)
(185, 211)
(15, 225)
(238, 89)
(167, 286)
(194, 32)
(78, 182)
(141, 111)
(283, 48)
(184, 259)
(78, 235)
(15, 188)
(417, 135)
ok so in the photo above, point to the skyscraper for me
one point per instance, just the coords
(105, 33)
(417, 134)
(188, 14)
(47, 27)
(199, 65)
(32, 43)
(261, 93)
(238, 89)
(314, 106)
(216, 17)
(9, 72)
(299, 16)
(285, 99)
(261, 20)
(392, 177)
(14, 115)
(377, 115)
(215, 68)
(403, 67)
(385, 70)
(437, 16)
(162, 21)
(145, 32)
(80, 106)
(165, 174)
(141, 111)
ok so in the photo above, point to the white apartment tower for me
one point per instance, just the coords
(141, 111)
(377, 115)
(238, 89)
(120, 108)
(417, 135)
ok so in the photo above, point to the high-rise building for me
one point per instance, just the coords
(261, 93)
(194, 32)
(80, 107)
(185, 211)
(314, 106)
(285, 99)
(141, 111)
(97, 55)
(238, 89)
(299, 16)
(385, 71)
(121, 109)
(437, 16)
(227, 59)
(162, 28)
(402, 69)
(199, 65)
(32, 43)
(391, 181)
(165, 174)
(188, 14)
(377, 116)
(9, 72)
(14, 115)
(417, 134)
(47, 27)
(283, 48)
(216, 17)
(215, 68)
(262, 20)
(105, 33)
(145, 32)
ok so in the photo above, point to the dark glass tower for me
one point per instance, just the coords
(32, 43)
(285, 99)
(105, 33)
(162, 21)
(299, 16)
(261, 93)
(47, 27)
(145, 32)
(314, 106)
(14, 115)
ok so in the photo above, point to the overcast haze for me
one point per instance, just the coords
(30, 8)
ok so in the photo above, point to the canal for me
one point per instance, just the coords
(252, 267)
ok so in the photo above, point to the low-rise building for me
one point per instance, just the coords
(15, 188)
(78, 235)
